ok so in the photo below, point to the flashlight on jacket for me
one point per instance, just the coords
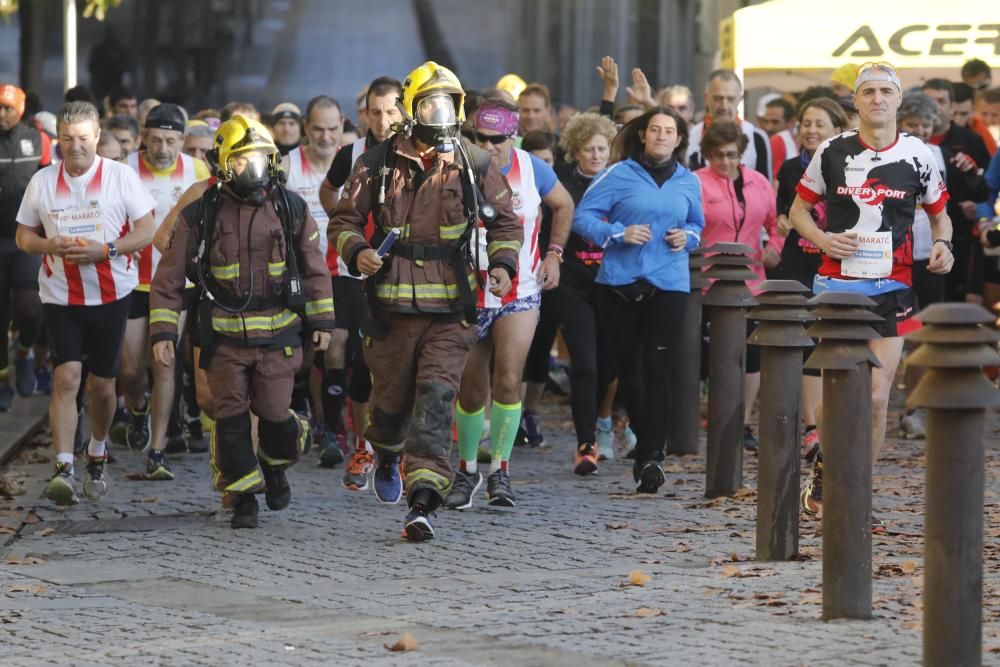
(388, 241)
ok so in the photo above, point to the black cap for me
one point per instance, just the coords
(166, 117)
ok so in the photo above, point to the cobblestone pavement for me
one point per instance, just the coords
(153, 575)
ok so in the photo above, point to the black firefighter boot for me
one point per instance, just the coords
(244, 511)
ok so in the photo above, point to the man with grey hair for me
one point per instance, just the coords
(95, 214)
(166, 173)
(198, 140)
(679, 98)
(723, 93)
(872, 179)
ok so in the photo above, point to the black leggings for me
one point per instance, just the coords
(574, 311)
(642, 334)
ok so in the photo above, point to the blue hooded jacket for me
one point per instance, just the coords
(625, 194)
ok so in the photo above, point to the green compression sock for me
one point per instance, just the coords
(503, 429)
(470, 431)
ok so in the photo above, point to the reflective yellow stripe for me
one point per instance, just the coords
(439, 482)
(423, 291)
(503, 245)
(249, 481)
(275, 269)
(230, 272)
(314, 235)
(163, 315)
(237, 324)
(344, 237)
(319, 306)
(452, 232)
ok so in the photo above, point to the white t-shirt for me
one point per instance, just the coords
(98, 205)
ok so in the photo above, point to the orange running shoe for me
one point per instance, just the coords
(585, 460)
(359, 469)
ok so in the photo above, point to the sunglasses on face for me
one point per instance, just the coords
(495, 139)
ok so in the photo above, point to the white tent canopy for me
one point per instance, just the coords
(791, 44)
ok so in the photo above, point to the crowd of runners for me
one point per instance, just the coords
(374, 283)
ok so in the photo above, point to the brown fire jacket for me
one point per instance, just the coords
(240, 227)
(427, 208)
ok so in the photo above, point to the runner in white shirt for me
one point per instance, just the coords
(95, 214)
(507, 325)
(306, 167)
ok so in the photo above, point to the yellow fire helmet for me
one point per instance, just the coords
(432, 78)
(512, 84)
(240, 134)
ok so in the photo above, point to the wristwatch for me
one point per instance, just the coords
(948, 244)
(112, 251)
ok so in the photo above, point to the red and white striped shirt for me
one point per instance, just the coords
(528, 208)
(305, 181)
(97, 204)
(166, 187)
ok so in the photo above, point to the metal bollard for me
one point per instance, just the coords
(846, 436)
(727, 299)
(781, 313)
(954, 347)
(685, 381)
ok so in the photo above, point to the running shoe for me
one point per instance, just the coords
(585, 459)
(498, 491)
(533, 436)
(43, 381)
(331, 456)
(631, 440)
(24, 372)
(156, 467)
(605, 440)
(417, 524)
(386, 480)
(749, 439)
(911, 426)
(279, 492)
(176, 442)
(61, 489)
(137, 434)
(648, 476)
(812, 493)
(245, 511)
(879, 526)
(95, 483)
(359, 467)
(463, 489)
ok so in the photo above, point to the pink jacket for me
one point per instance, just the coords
(723, 213)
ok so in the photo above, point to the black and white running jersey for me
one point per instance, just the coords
(874, 191)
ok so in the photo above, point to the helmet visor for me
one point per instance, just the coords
(253, 165)
(436, 110)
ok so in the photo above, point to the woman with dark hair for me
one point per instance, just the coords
(819, 120)
(739, 208)
(645, 211)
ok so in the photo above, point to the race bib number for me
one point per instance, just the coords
(873, 258)
(84, 223)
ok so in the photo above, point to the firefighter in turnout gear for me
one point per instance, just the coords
(429, 186)
(253, 249)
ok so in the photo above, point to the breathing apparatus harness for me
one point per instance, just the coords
(291, 213)
(460, 255)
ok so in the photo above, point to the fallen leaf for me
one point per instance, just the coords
(9, 486)
(151, 499)
(730, 571)
(45, 531)
(31, 518)
(25, 588)
(27, 560)
(8, 530)
(617, 525)
(909, 567)
(405, 643)
(638, 578)
(643, 612)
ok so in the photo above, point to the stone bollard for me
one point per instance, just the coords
(685, 381)
(781, 313)
(954, 347)
(846, 436)
(727, 300)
